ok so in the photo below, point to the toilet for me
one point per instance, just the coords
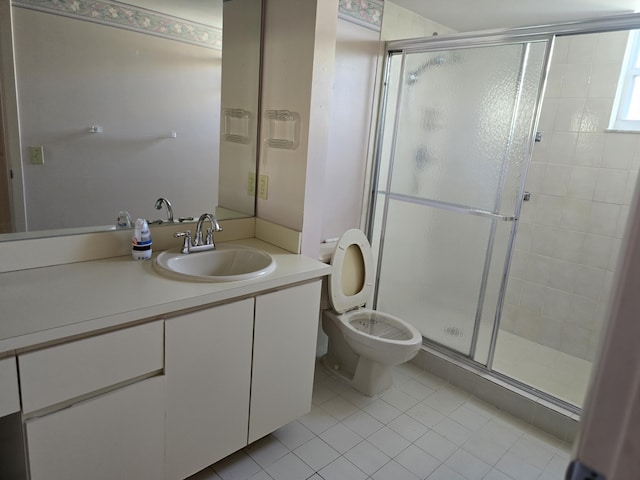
(363, 344)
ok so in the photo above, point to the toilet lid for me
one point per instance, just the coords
(351, 280)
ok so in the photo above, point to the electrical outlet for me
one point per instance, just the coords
(263, 186)
(36, 155)
(251, 185)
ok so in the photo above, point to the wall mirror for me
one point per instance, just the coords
(119, 104)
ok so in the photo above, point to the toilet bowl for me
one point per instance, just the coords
(364, 344)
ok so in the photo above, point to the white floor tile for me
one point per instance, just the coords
(342, 469)
(389, 441)
(322, 393)
(261, 475)
(417, 461)
(340, 408)
(289, 467)
(362, 423)
(498, 475)
(407, 427)
(517, 468)
(341, 438)
(316, 453)
(266, 450)
(453, 431)
(446, 400)
(443, 435)
(367, 457)
(293, 435)
(357, 398)
(382, 411)
(238, 466)
(425, 414)
(485, 448)
(467, 465)
(445, 473)
(533, 451)
(393, 470)
(436, 445)
(417, 390)
(466, 417)
(399, 399)
(318, 420)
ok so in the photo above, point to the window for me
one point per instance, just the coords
(626, 108)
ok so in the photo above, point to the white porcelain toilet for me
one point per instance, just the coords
(363, 344)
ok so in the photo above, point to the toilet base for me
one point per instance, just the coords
(370, 378)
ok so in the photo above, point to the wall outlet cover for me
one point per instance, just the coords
(251, 185)
(36, 155)
(263, 186)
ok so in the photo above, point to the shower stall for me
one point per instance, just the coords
(480, 244)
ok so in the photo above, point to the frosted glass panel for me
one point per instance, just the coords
(431, 270)
(455, 137)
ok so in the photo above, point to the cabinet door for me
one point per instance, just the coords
(117, 435)
(284, 352)
(208, 369)
(9, 396)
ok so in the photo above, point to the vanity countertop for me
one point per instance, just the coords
(48, 304)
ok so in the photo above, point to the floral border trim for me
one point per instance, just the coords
(128, 17)
(367, 13)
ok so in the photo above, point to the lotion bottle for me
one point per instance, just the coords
(141, 241)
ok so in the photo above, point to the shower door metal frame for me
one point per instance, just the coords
(467, 40)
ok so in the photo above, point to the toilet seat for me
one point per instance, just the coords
(341, 301)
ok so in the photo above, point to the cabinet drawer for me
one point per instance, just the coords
(116, 436)
(67, 371)
(9, 396)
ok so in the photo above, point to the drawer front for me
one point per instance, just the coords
(116, 436)
(9, 395)
(73, 369)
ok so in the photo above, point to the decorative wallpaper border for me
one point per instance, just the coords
(367, 13)
(129, 17)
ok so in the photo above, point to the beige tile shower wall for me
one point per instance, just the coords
(581, 182)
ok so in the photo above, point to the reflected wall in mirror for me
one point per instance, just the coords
(124, 100)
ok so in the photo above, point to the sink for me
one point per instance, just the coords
(227, 263)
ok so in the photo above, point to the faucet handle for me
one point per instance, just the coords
(186, 245)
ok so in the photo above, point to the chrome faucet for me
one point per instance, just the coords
(158, 206)
(196, 244)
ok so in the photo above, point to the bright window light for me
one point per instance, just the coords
(626, 108)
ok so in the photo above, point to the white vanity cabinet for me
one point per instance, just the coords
(237, 372)
(116, 435)
(94, 407)
(286, 327)
(208, 368)
(9, 393)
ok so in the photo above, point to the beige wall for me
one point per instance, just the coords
(351, 122)
(581, 181)
(299, 50)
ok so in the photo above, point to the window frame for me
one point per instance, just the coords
(629, 72)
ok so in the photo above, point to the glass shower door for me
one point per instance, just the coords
(455, 143)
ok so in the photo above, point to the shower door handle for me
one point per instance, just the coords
(496, 216)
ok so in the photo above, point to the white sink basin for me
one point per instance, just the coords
(227, 263)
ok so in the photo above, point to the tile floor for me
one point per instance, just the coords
(421, 428)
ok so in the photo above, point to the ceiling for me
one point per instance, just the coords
(471, 15)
